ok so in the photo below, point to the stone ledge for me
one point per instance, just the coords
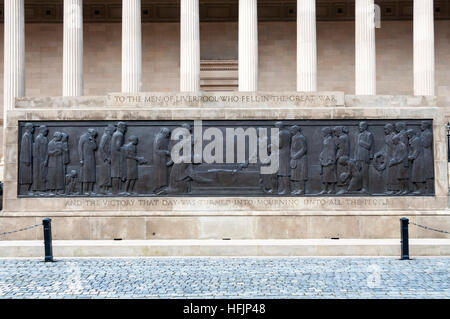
(305, 247)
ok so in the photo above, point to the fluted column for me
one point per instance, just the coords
(248, 45)
(131, 46)
(189, 46)
(423, 47)
(365, 55)
(14, 54)
(306, 46)
(73, 48)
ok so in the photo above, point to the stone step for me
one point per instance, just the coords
(301, 247)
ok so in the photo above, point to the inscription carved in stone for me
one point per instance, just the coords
(226, 158)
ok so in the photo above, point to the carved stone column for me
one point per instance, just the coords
(73, 48)
(248, 45)
(423, 47)
(306, 46)
(190, 46)
(131, 46)
(14, 54)
(365, 55)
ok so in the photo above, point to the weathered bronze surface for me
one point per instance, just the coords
(134, 158)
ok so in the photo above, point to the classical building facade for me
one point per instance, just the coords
(358, 66)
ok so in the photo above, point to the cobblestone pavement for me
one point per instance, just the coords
(216, 277)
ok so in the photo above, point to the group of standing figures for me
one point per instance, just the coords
(405, 162)
(406, 158)
(43, 163)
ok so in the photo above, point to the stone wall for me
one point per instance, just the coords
(102, 56)
(226, 217)
(277, 40)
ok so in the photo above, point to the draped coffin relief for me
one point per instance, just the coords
(226, 158)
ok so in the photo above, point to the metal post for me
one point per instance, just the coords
(47, 223)
(448, 140)
(404, 240)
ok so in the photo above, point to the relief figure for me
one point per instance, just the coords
(400, 164)
(132, 162)
(327, 160)
(284, 169)
(40, 160)
(104, 178)
(427, 143)
(342, 149)
(161, 156)
(299, 161)
(26, 160)
(117, 141)
(71, 183)
(364, 153)
(417, 162)
(87, 146)
(55, 174)
(182, 174)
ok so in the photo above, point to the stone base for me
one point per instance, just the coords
(320, 225)
(238, 218)
(307, 247)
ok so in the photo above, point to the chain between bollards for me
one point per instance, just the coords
(404, 238)
(47, 223)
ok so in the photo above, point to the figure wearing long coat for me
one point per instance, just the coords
(55, 175)
(117, 141)
(427, 143)
(132, 161)
(391, 178)
(284, 168)
(364, 147)
(355, 172)
(40, 158)
(66, 153)
(299, 160)
(26, 159)
(160, 159)
(105, 158)
(401, 161)
(418, 164)
(342, 149)
(86, 150)
(327, 159)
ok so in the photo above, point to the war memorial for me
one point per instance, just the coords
(244, 164)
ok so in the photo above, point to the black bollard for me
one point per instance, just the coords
(47, 223)
(404, 240)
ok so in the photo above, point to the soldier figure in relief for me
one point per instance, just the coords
(26, 160)
(299, 161)
(40, 161)
(364, 153)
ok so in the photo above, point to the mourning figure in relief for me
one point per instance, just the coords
(26, 159)
(87, 146)
(40, 161)
(299, 161)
